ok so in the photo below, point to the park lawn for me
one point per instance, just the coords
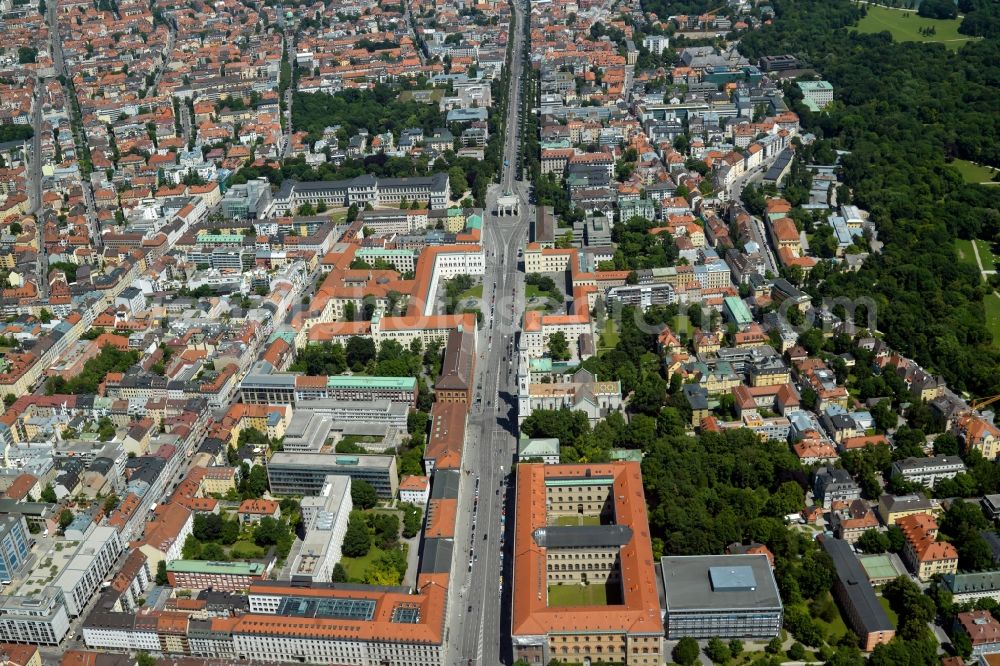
(991, 303)
(575, 521)
(888, 611)
(578, 595)
(532, 291)
(609, 335)
(360, 439)
(357, 566)
(905, 26)
(974, 173)
(474, 292)
(834, 630)
(248, 546)
(986, 254)
(682, 325)
(963, 248)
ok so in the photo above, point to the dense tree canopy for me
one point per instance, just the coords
(903, 110)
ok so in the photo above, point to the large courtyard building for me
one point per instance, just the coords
(366, 190)
(584, 582)
(729, 596)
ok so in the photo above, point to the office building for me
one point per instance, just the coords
(14, 548)
(856, 597)
(248, 201)
(325, 517)
(307, 432)
(729, 596)
(358, 411)
(260, 386)
(305, 473)
(551, 560)
(220, 576)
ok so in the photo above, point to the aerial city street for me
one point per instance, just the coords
(514, 332)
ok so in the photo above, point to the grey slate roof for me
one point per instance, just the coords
(600, 536)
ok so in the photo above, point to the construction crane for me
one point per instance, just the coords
(979, 403)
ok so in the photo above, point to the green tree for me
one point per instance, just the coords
(110, 503)
(457, 182)
(649, 395)
(161, 573)
(214, 552)
(65, 518)
(339, 574)
(363, 494)
(412, 520)
(558, 346)
(26, 55)
(686, 651)
(717, 651)
(359, 352)
(270, 532)
(797, 652)
(961, 642)
(191, 550)
(873, 541)
(256, 482)
(357, 539)
(914, 608)
(49, 494)
(144, 658)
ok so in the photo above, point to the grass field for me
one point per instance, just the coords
(905, 26)
(986, 254)
(963, 248)
(609, 335)
(888, 611)
(474, 292)
(974, 173)
(833, 630)
(582, 595)
(359, 439)
(575, 521)
(992, 306)
(682, 325)
(357, 566)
